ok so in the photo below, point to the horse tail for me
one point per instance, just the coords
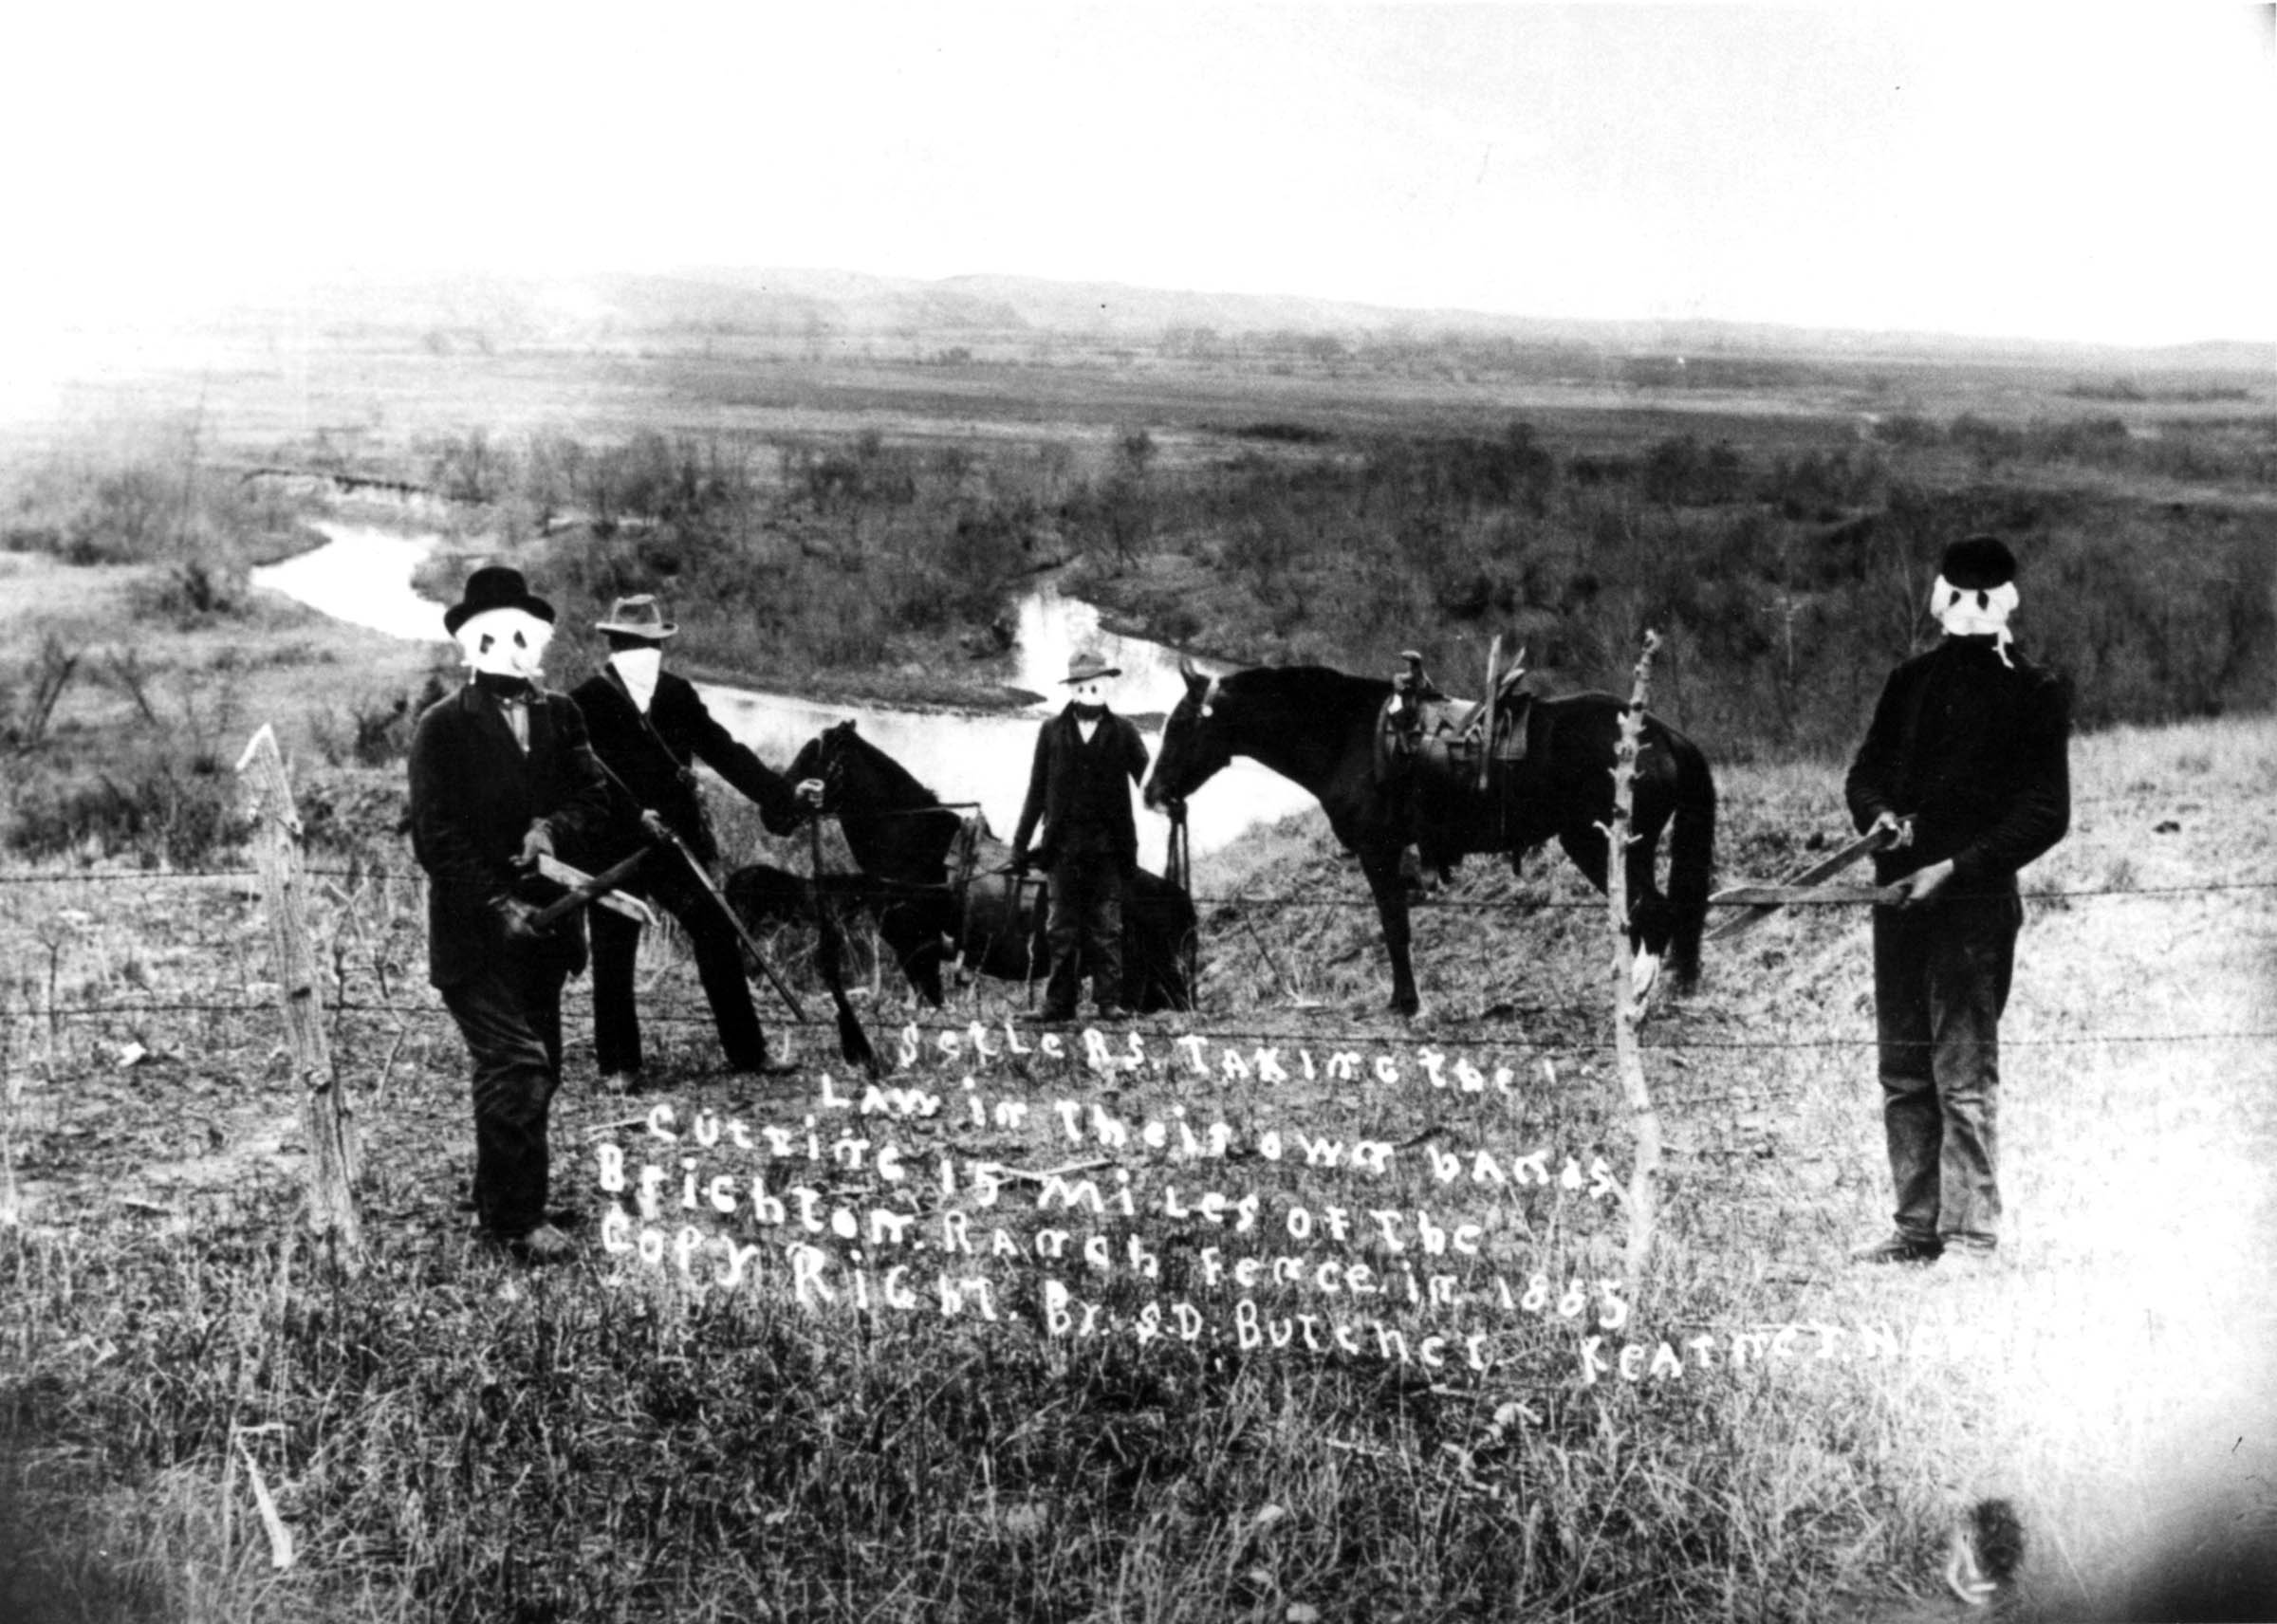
(1691, 859)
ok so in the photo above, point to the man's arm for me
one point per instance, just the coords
(440, 834)
(601, 705)
(583, 813)
(780, 808)
(1868, 785)
(2039, 813)
(1134, 752)
(1039, 773)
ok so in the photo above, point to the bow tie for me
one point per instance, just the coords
(506, 690)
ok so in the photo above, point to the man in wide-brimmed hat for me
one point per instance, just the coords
(1087, 761)
(650, 728)
(1966, 769)
(501, 772)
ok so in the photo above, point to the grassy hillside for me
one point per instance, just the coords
(445, 1436)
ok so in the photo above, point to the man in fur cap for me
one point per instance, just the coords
(1077, 786)
(501, 771)
(649, 728)
(1965, 766)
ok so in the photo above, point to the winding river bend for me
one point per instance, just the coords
(362, 575)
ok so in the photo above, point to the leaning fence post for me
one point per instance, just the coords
(334, 1156)
(1628, 1007)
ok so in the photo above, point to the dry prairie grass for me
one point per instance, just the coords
(448, 1437)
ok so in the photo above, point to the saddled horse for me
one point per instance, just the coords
(1324, 729)
(939, 888)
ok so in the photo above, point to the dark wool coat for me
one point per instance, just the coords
(1976, 753)
(1078, 790)
(653, 756)
(474, 797)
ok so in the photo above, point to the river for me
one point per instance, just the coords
(362, 575)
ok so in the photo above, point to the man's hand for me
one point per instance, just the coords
(809, 791)
(517, 922)
(537, 843)
(1923, 883)
(1900, 831)
(654, 826)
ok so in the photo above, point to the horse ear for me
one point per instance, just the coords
(1194, 680)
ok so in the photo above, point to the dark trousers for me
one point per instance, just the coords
(511, 1017)
(718, 965)
(1941, 974)
(1084, 927)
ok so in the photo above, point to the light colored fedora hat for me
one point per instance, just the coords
(639, 615)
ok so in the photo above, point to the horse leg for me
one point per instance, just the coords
(1651, 918)
(916, 950)
(1589, 848)
(1381, 866)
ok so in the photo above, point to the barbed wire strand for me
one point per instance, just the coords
(1229, 899)
(1311, 1037)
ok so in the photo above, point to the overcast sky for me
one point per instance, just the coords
(2075, 172)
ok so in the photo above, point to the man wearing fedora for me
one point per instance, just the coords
(500, 772)
(1087, 760)
(1966, 769)
(649, 727)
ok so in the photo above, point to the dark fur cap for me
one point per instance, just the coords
(1978, 564)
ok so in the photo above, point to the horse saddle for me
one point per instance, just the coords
(1424, 736)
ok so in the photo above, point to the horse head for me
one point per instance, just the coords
(894, 825)
(832, 757)
(1197, 740)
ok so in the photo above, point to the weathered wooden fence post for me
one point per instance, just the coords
(335, 1158)
(1628, 1007)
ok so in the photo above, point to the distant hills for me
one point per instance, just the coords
(821, 307)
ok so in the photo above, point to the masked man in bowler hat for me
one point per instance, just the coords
(500, 772)
(1086, 760)
(1966, 766)
(649, 728)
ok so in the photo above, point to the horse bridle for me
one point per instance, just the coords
(834, 771)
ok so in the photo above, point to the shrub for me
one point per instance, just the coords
(376, 729)
(1284, 433)
(192, 591)
(166, 808)
(29, 696)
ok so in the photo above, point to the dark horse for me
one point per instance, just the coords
(1319, 728)
(935, 899)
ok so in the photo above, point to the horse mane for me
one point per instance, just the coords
(1291, 686)
(910, 848)
(898, 783)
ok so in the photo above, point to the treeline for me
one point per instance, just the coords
(1788, 583)
(1790, 574)
(782, 558)
(150, 498)
(2238, 450)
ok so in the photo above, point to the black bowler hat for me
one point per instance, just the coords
(494, 587)
(1978, 564)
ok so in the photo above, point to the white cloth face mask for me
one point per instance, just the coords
(639, 668)
(506, 642)
(1964, 613)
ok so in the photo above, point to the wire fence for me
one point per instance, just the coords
(1508, 1030)
(1201, 899)
(1548, 1028)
